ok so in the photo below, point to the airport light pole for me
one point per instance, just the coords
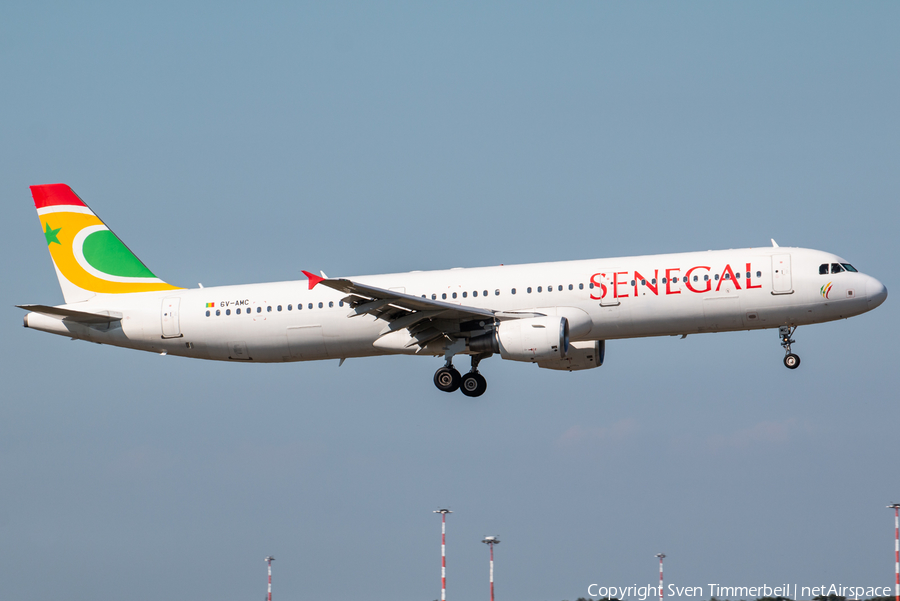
(269, 561)
(490, 541)
(661, 557)
(443, 513)
(896, 508)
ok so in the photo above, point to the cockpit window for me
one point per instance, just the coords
(823, 269)
(836, 268)
(849, 267)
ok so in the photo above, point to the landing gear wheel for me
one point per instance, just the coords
(473, 384)
(447, 379)
(791, 361)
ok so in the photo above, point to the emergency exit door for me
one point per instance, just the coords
(171, 320)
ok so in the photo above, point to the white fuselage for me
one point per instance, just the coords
(602, 299)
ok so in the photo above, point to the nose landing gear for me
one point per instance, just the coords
(791, 361)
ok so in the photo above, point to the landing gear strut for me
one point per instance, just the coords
(473, 383)
(791, 361)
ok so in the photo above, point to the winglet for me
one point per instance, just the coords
(313, 279)
(774, 244)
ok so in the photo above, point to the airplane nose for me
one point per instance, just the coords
(876, 293)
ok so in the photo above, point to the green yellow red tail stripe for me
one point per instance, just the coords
(86, 254)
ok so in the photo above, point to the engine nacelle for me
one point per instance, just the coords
(582, 355)
(533, 339)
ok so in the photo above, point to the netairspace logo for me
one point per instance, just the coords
(652, 591)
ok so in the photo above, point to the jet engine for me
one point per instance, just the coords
(532, 339)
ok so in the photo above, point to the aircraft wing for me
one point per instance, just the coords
(424, 318)
(373, 300)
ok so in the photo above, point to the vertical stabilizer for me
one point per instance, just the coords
(89, 258)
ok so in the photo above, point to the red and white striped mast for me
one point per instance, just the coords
(896, 508)
(269, 561)
(661, 557)
(443, 513)
(491, 541)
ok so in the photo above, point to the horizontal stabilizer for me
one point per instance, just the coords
(72, 315)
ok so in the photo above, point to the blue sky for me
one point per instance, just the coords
(229, 143)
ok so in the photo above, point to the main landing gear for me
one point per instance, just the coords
(791, 361)
(472, 384)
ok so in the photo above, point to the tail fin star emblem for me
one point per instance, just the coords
(50, 234)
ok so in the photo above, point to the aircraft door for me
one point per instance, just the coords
(607, 299)
(781, 274)
(171, 319)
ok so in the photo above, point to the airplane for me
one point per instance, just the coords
(556, 315)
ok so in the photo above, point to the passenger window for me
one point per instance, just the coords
(759, 274)
(664, 280)
(540, 289)
(207, 313)
(591, 285)
(310, 305)
(237, 311)
(528, 290)
(717, 276)
(823, 269)
(653, 281)
(474, 293)
(269, 309)
(485, 292)
(581, 286)
(513, 291)
(259, 309)
(465, 294)
(321, 305)
(727, 276)
(279, 307)
(497, 292)
(632, 283)
(643, 282)
(299, 306)
(444, 296)
(571, 287)
(218, 312)
(434, 297)
(836, 268)
(290, 307)
(340, 303)
(549, 288)
(330, 304)
(454, 295)
(227, 311)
